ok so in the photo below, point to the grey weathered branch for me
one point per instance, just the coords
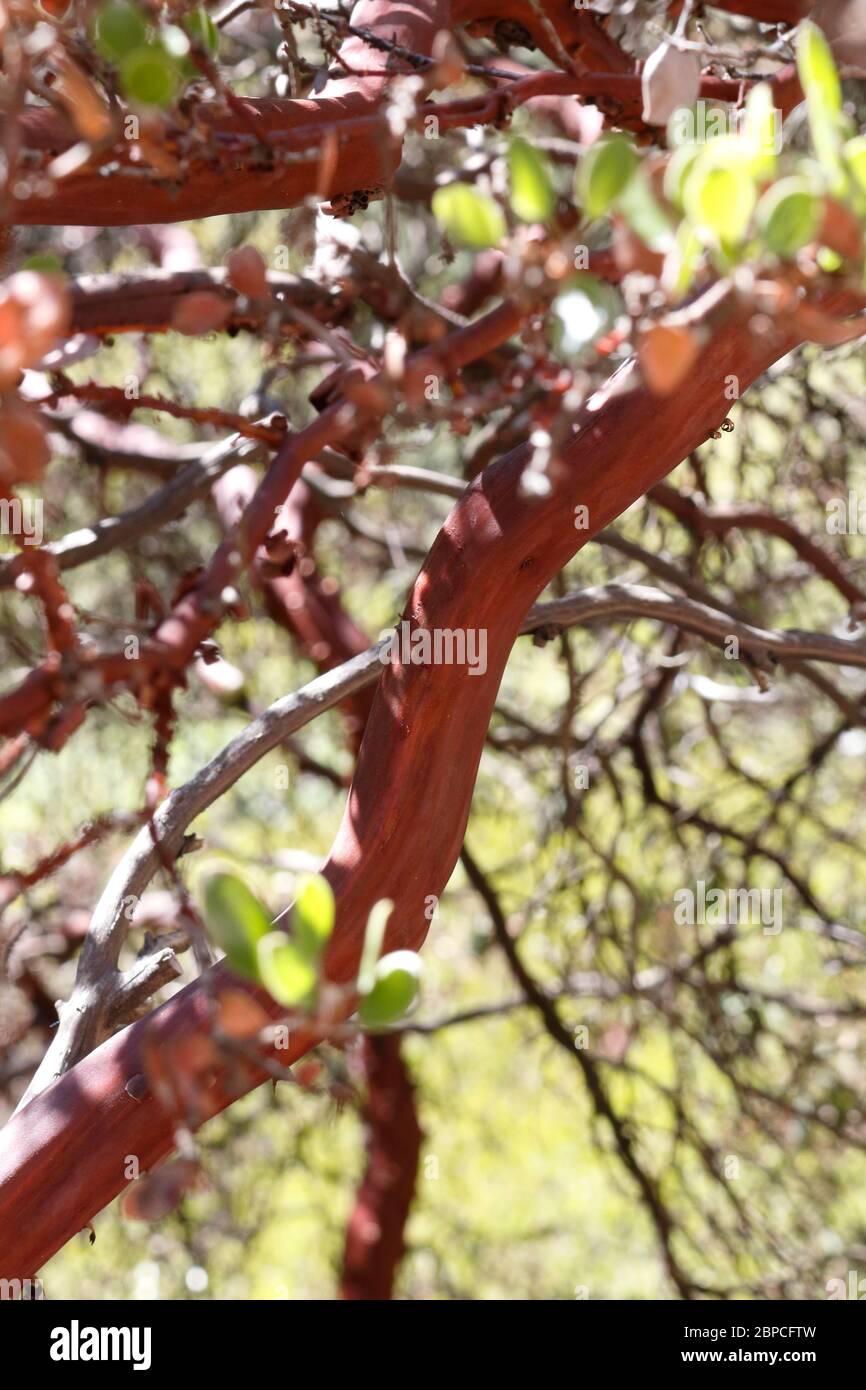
(169, 502)
(193, 480)
(86, 1018)
(615, 601)
(137, 985)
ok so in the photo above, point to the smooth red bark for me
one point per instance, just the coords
(329, 153)
(339, 143)
(62, 1158)
(375, 1236)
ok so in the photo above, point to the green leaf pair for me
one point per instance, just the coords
(472, 219)
(609, 178)
(288, 965)
(151, 68)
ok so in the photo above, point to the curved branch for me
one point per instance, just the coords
(146, 301)
(338, 145)
(61, 1159)
(329, 145)
(82, 1020)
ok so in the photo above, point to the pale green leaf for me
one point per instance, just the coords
(467, 217)
(313, 915)
(604, 173)
(645, 214)
(788, 216)
(396, 982)
(373, 938)
(820, 81)
(720, 195)
(236, 921)
(761, 130)
(287, 973)
(532, 195)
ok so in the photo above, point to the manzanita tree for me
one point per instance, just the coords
(556, 243)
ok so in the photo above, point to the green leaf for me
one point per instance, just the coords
(149, 76)
(829, 261)
(854, 155)
(118, 30)
(682, 262)
(788, 216)
(313, 915)
(645, 214)
(45, 262)
(373, 938)
(287, 973)
(396, 983)
(202, 30)
(467, 217)
(236, 921)
(532, 195)
(761, 130)
(817, 69)
(820, 82)
(604, 173)
(719, 192)
(678, 168)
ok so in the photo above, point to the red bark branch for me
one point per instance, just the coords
(62, 1157)
(302, 603)
(582, 35)
(312, 611)
(375, 1233)
(333, 145)
(353, 403)
(314, 614)
(320, 145)
(146, 303)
